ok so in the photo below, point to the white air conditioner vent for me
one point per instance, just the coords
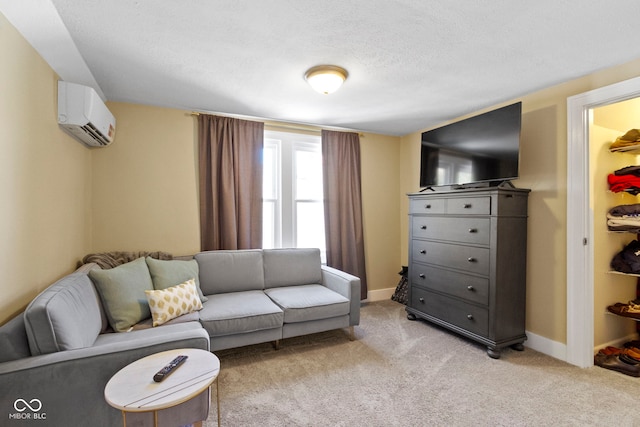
(83, 115)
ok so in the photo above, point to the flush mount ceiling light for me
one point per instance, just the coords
(326, 78)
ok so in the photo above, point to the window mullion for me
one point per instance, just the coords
(287, 188)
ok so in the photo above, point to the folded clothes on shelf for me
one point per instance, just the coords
(626, 141)
(628, 170)
(628, 259)
(628, 183)
(625, 211)
(624, 218)
(628, 225)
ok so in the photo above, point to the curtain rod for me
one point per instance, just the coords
(305, 128)
(281, 125)
(292, 127)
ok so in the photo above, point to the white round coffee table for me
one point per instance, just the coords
(132, 388)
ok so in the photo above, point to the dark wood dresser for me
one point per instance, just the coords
(467, 263)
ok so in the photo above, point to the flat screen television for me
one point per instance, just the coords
(480, 150)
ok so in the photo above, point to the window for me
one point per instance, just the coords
(293, 211)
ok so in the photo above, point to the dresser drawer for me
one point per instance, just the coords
(470, 288)
(460, 257)
(469, 206)
(456, 229)
(464, 315)
(511, 205)
(426, 206)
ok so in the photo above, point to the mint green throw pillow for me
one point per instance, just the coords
(168, 273)
(122, 292)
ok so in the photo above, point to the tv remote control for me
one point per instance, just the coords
(167, 370)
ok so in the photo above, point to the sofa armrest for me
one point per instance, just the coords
(70, 384)
(346, 285)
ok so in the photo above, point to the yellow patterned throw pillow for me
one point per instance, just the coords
(169, 303)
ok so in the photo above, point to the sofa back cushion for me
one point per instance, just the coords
(13, 340)
(230, 271)
(65, 316)
(122, 293)
(289, 267)
(168, 273)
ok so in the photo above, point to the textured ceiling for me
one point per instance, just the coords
(412, 63)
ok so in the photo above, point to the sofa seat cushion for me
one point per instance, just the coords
(148, 323)
(165, 333)
(308, 302)
(237, 312)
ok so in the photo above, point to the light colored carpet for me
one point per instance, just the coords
(404, 373)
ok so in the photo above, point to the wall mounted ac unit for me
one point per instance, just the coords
(83, 115)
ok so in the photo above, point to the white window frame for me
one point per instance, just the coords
(277, 194)
(286, 144)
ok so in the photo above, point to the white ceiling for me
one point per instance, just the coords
(412, 63)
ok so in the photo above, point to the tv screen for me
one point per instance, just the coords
(483, 148)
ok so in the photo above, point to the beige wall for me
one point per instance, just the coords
(380, 156)
(145, 183)
(145, 190)
(61, 200)
(45, 179)
(543, 169)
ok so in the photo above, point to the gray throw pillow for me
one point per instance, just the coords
(168, 273)
(122, 292)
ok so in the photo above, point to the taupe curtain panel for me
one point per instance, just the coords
(343, 204)
(230, 169)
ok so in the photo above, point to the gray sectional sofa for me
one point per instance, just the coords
(63, 349)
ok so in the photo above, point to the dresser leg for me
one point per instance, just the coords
(518, 346)
(411, 316)
(493, 353)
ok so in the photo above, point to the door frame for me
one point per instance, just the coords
(580, 286)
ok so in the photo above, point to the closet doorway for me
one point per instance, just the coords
(581, 240)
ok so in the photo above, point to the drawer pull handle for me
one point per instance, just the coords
(423, 252)
(470, 316)
(427, 206)
(471, 288)
(473, 230)
(472, 259)
(467, 205)
(421, 300)
(422, 276)
(423, 227)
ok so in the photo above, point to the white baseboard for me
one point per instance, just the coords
(380, 294)
(546, 346)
